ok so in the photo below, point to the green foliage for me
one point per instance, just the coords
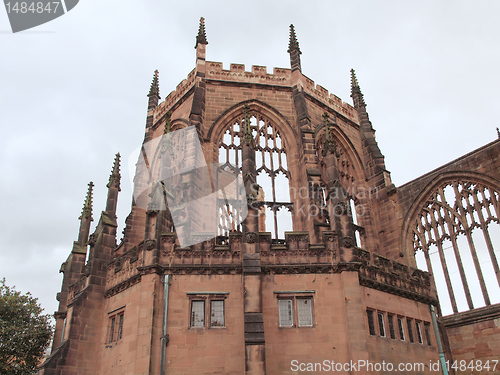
(25, 332)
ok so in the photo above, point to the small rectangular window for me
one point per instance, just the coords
(401, 329)
(285, 312)
(428, 333)
(392, 333)
(115, 325)
(304, 312)
(197, 314)
(120, 326)
(381, 324)
(112, 329)
(410, 330)
(371, 323)
(217, 313)
(419, 332)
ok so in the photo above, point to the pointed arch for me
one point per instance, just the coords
(448, 231)
(256, 106)
(275, 150)
(345, 144)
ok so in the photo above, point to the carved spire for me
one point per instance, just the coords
(87, 206)
(114, 178)
(294, 50)
(293, 44)
(155, 87)
(154, 98)
(330, 146)
(201, 38)
(356, 94)
(246, 127)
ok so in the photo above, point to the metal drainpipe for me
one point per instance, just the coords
(164, 336)
(438, 339)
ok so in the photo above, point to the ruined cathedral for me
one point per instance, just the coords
(278, 244)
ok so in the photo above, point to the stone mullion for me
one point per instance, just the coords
(487, 238)
(421, 237)
(472, 247)
(273, 183)
(255, 362)
(453, 239)
(427, 258)
(495, 202)
(443, 264)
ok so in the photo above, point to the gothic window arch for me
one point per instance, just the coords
(354, 195)
(273, 175)
(455, 236)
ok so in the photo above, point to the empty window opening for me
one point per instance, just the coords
(409, 323)
(392, 332)
(419, 332)
(401, 329)
(381, 324)
(371, 323)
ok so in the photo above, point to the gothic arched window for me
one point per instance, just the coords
(453, 236)
(272, 176)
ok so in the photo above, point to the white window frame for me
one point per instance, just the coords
(206, 299)
(193, 314)
(297, 317)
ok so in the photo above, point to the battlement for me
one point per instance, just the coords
(322, 94)
(181, 89)
(259, 74)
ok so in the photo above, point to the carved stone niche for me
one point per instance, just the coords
(329, 238)
(297, 240)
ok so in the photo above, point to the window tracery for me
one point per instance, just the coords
(272, 171)
(453, 236)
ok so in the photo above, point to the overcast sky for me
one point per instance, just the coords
(73, 93)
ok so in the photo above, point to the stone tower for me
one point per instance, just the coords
(309, 270)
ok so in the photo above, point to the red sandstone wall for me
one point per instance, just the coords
(205, 350)
(475, 335)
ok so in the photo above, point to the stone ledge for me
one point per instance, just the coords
(480, 314)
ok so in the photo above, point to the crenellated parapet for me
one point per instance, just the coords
(258, 74)
(172, 98)
(320, 93)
